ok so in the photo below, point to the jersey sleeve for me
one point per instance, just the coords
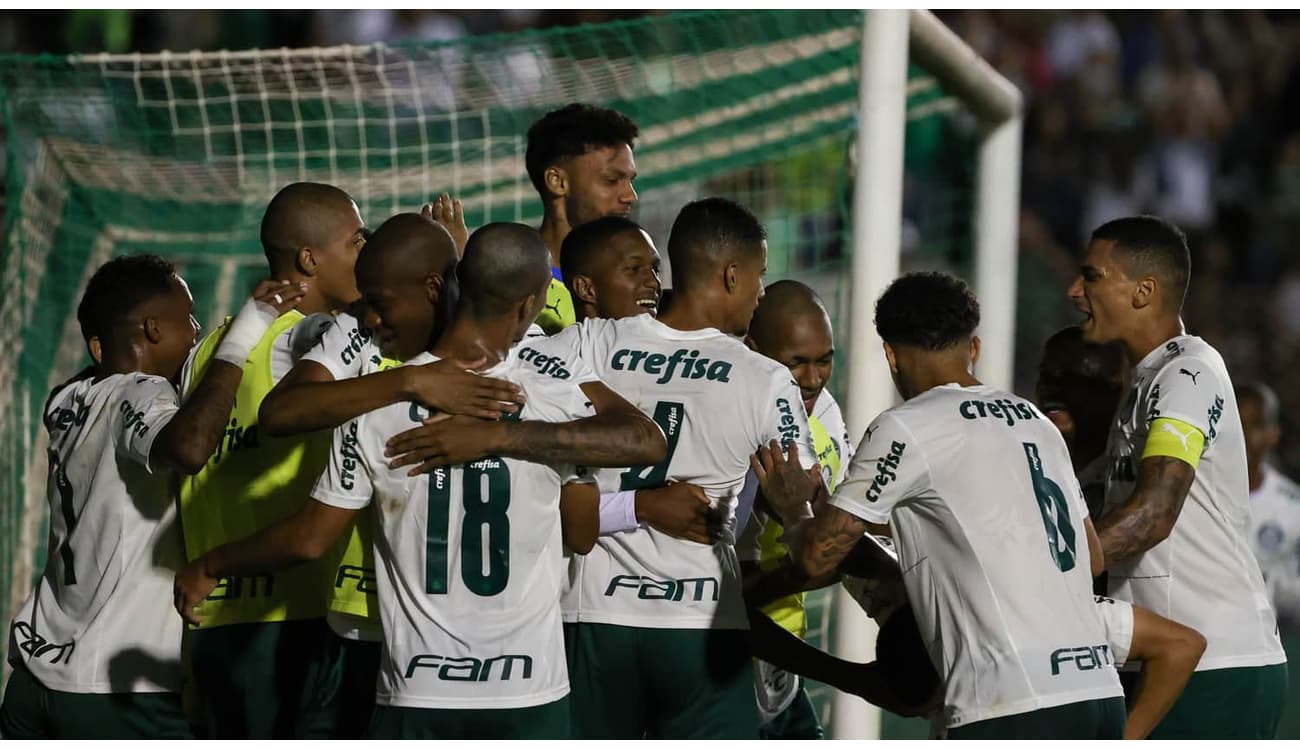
(1187, 390)
(342, 349)
(345, 483)
(782, 418)
(1117, 621)
(145, 405)
(887, 470)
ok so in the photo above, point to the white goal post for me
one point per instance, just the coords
(877, 235)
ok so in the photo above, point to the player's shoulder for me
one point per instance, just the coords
(547, 397)
(1191, 357)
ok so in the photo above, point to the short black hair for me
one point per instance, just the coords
(585, 243)
(119, 288)
(298, 216)
(573, 130)
(1267, 399)
(930, 310)
(503, 264)
(703, 234)
(1155, 246)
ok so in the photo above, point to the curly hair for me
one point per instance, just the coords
(929, 310)
(119, 288)
(571, 131)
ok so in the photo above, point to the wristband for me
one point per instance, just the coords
(618, 512)
(248, 328)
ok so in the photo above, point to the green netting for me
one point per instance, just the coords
(178, 153)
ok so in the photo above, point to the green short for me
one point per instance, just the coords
(31, 711)
(549, 721)
(1101, 719)
(345, 700)
(630, 683)
(797, 722)
(1241, 703)
(256, 680)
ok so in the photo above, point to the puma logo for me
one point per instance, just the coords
(554, 308)
(1189, 374)
(870, 430)
(1182, 437)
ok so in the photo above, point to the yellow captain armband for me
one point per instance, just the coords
(1176, 439)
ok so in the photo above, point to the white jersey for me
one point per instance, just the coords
(716, 402)
(557, 356)
(346, 348)
(988, 521)
(470, 559)
(1204, 575)
(101, 618)
(1275, 531)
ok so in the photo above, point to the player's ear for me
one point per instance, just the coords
(526, 311)
(152, 330)
(729, 277)
(1145, 292)
(974, 350)
(556, 181)
(890, 356)
(583, 289)
(433, 286)
(96, 349)
(305, 261)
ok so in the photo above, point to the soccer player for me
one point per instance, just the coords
(991, 530)
(579, 158)
(791, 326)
(470, 554)
(96, 654)
(305, 400)
(1275, 524)
(258, 654)
(1177, 495)
(657, 646)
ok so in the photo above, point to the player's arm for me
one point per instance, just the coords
(1165, 475)
(309, 398)
(1096, 559)
(580, 516)
(187, 441)
(306, 535)
(1169, 652)
(617, 435)
(887, 469)
(775, 645)
(678, 509)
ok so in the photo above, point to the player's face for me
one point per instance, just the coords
(1261, 437)
(178, 329)
(1103, 293)
(600, 184)
(336, 258)
(749, 289)
(628, 284)
(400, 312)
(804, 344)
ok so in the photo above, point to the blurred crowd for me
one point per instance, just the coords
(1192, 115)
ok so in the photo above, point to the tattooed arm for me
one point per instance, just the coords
(1148, 517)
(618, 435)
(832, 535)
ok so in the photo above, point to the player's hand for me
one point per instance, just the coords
(448, 386)
(786, 486)
(679, 509)
(443, 440)
(451, 215)
(192, 586)
(282, 296)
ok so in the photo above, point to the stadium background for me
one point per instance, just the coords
(1192, 115)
